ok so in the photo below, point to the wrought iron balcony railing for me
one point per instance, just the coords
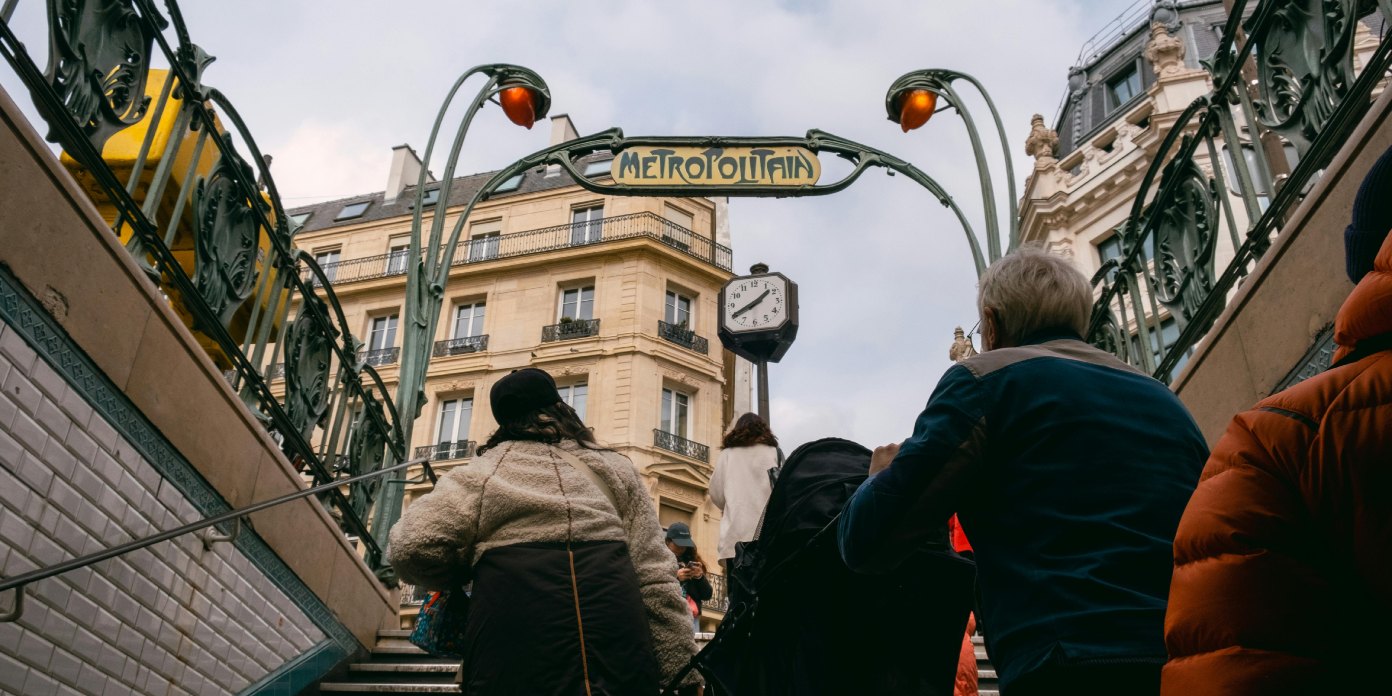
(461, 346)
(1191, 195)
(207, 188)
(566, 330)
(630, 226)
(682, 336)
(676, 443)
(412, 596)
(461, 449)
(720, 596)
(381, 356)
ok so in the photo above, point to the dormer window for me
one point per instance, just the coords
(431, 197)
(599, 168)
(509, 185)
(353, 210)
(1123, 87)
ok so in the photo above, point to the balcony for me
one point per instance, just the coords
(445, 451)
(676, 443)
(567, 330)
(461, 346)
(684, 337)
(383, 356)
(590, 233)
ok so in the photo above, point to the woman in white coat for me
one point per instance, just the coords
(742, 481)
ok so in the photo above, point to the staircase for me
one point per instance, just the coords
(985, 671)
(396, 667)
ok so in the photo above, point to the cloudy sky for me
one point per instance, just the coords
(329, 86)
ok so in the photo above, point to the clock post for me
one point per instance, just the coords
(759, 320)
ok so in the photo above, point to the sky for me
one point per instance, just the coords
(884, 272)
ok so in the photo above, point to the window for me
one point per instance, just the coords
(1123, 87)
(328, 262)
(575, 395)
(676, 412)
(353, 210)
(453, 425)
(600, 168)
(398, 252)
(1110, 248)
(678, 309)
(677, 231)
(468, 320)
(298, 220)
(578, 303)
(586, 224)
(382, 335)
(1161, 341)
(431, 197)
(509, 185)
(484, 238)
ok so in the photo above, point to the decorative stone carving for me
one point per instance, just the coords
(1165, 52)
(1166, 14)
(962, 347)
(1062, 247)
(1042, 143)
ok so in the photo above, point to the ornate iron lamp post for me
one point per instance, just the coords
(911, 102)
(524, 98)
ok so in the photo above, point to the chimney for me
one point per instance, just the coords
(562, 129)
(405, 171)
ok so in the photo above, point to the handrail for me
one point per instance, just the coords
(19, 582)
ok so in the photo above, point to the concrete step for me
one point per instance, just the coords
(346, 688)
(403, 634)
(402, 672)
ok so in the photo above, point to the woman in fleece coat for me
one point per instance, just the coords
(572, 593)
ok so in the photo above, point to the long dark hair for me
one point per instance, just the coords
(548, 424)
(750, 429)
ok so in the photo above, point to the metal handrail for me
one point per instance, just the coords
(683, 336)
(566, 330)
(20, 581)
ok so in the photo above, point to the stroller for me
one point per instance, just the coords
(800, 622)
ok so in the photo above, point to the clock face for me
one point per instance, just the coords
(757, 303)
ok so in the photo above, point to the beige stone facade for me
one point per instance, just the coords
(662, 398)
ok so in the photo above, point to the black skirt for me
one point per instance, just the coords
(547, 620)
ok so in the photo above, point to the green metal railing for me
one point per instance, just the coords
(206, 224)
(1212, 169)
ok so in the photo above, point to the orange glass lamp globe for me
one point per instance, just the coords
(916, 107)
(520, 106)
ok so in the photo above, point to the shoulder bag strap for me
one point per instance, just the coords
(580, 466)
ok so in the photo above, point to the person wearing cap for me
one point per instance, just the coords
(572, 587)
(1286, 546)
(691, 570)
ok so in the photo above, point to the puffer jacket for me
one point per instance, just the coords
(520, 497)
(1283, 559)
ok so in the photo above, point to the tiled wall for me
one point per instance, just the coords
(171, 619)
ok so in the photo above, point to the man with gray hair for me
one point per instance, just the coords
(1069, 471)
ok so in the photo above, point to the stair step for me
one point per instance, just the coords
(440, 667)
(342, 688)
(403, 633)
(394, 649)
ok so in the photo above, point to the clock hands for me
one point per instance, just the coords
(750, 306)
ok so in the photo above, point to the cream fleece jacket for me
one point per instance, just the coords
(519, 493)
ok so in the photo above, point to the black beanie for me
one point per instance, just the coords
(1372, 219)
(521, 393)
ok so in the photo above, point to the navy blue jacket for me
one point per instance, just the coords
(1069, 471)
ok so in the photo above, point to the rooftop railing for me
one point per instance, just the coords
(183, 172)
(482, 249)
(1304, 104)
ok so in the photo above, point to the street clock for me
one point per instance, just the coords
(759, 315)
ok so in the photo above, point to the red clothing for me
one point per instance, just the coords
(967, 674)
(959, 537)
(1285, 544)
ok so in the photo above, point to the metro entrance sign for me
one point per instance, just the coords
(716, 166)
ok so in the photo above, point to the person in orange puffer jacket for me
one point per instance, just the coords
(1283, 559)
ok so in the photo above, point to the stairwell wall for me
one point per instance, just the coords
(114, 425)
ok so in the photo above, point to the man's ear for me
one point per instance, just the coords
(989, 330)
